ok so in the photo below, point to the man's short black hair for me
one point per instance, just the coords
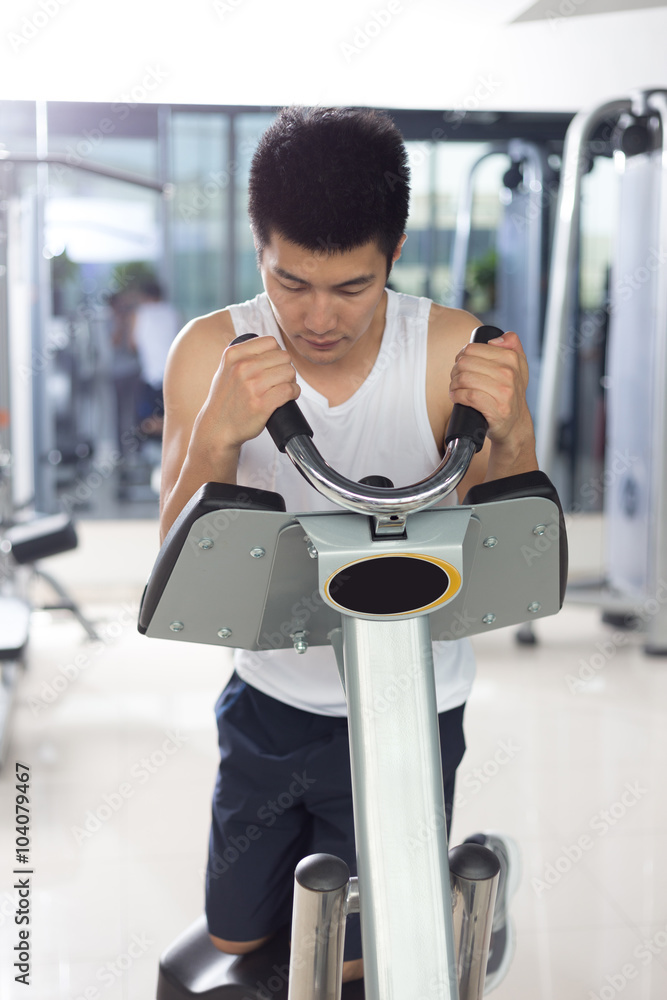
(330, 179)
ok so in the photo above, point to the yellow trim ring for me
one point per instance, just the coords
(451, 571)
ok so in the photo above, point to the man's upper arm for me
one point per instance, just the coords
(193, 360)
(449, 332)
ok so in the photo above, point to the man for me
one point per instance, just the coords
(154, 327)
(376, 374)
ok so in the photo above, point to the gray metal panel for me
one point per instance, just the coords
(264, 600)
(222, 586)
(506, 579)
(342, 540)
(295, 603)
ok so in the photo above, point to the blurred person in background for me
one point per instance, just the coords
(155, 325)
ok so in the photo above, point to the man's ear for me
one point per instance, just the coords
(399, 247)
(258, 249)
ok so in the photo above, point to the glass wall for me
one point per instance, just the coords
(201, 175)
(248, 129)
(456, 164)
(411, 274)
(136, 193)
(440, 173)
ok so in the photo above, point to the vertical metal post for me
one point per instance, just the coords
(399, 811)
(165, 208)
(43, 419)
(463, 232)
(521, 257)
(564, 276)
(656, 640)
(321, 884)
(230, 276)
(6, 506)
(431, 237)
(475, 873)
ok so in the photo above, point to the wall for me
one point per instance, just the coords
(389, 53)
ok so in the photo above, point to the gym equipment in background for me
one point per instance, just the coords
(26, 538)
(633, 591)
(518, 252)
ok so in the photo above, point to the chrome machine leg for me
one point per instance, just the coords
(321, 888)
(399, 811)
(475, 873)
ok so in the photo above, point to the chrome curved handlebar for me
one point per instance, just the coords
(376, 499)
(465, 434)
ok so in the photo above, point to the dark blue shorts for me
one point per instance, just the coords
(283, 791)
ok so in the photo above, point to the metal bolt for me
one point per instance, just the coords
(490, 542)
(312, 551)
(258, 552)
(489, 619)
(534, 607)
(300, 642)
(539, 529)
(205, 543)
(177, 626)
(224, 633)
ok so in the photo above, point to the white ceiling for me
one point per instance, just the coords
(546, 10)
(471, 54)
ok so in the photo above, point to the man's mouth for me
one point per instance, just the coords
(321, 345)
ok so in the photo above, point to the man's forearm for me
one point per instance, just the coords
(196, 470)
(511, 459)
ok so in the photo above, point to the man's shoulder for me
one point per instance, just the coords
(445, 319)
(449, 329)
(196, 351)
(213, 331)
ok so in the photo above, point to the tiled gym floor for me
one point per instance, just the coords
(567, 744)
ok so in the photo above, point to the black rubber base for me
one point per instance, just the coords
(525, 635)
(192, 968)
(622, 620)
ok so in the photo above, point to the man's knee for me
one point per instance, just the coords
(238, 947)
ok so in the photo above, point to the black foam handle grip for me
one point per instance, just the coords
(288, 420)
(466, 421)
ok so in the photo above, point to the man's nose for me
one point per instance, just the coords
(320, 315)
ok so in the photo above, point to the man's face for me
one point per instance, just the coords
(323, 302)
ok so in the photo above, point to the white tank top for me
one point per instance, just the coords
(155, 326)
(383, 429)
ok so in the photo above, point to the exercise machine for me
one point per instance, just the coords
(386, 575)
(58, 361)
(32, 423)
(633, 130)
(25, 537)
(521, 245)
